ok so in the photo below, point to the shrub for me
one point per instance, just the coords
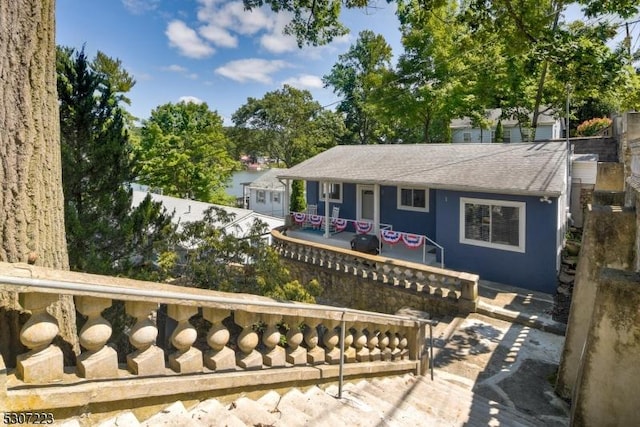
(593, 126)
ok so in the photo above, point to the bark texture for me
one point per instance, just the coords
(31, 200)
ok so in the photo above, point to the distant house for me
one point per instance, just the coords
(498, 210)
(185, 211)
(463, 130)
(266, 194)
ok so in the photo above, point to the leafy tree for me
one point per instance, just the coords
(184, 151)
(104, 234)
(593, 126)
(220, 257)
(289, 124)
(356, 77)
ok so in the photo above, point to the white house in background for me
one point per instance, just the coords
(185, 211)
(462, 130)
(267, 193)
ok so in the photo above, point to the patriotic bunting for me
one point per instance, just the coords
(316, 220)
(299, 217)
(363, 227)
(412, 241)
(391, 237)
(339, 223)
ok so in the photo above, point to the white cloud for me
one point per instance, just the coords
(253, 69)
(138, 7)
(187, 40)
(275, 41)
(192, 76)
(218, 36)
(304, 81)
(190, 99)
(175, 68)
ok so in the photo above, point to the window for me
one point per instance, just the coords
(506, 135)
(466, 136)
(413, 199)
(260, 196)
(335, 191)
(493, 223)
(275, 197)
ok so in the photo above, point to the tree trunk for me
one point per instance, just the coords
(31, 201)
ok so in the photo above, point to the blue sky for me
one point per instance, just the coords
(210, 50)
(213, 50)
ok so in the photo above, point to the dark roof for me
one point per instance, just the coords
(517, 168)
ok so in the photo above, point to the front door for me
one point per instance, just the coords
(365, 203)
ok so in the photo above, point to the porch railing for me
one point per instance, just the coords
(366, 227)
(243, 337)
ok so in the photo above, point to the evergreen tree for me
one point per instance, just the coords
(499, 132)
(104, 234)
(297, 202)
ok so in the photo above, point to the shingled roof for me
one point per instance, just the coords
(517, 168)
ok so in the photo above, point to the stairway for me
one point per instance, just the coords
(391, 401)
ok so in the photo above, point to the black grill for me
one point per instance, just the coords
(366, 243)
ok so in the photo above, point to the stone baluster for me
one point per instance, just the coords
(331, 339)
(383, 344)
(349, 351)
(220, 358)
(275, 355)
(99, 361)
(44, 362)
(187, 359)
(296, 354)
(360, 343)
(249, 357)
(148, 359)
(394, 341)
(372, 343)
(315, 354)
(403, 343)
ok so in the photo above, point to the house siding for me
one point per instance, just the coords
(268, 207)
(404, 220)
(534, 269)
(543, 132)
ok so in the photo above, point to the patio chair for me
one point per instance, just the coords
(335, 214)
(311, 210)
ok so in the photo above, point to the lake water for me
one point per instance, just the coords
(242, 177)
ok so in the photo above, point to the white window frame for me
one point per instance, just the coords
(506, 135)
(507, 203)
(402, 207)
(465, 138)
(493, 135)
(261, 196)
(322, 197)
(275, 197)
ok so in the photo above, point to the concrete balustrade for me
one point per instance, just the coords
(448, 291)
(309, 351)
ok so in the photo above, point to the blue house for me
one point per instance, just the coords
(498, 210)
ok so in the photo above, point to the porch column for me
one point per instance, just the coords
(376, 208)
(325, 188)
(286, 202)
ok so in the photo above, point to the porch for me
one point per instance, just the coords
(425, 254)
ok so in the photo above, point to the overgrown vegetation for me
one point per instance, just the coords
(593, 127)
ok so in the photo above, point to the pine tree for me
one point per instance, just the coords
(297, 202)
(104, 234)
(499, 133)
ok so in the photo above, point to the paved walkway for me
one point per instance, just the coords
(508, 352)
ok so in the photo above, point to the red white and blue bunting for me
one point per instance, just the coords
(340, 224)
(316, 220)
(390, 237)
(299, 217)
(363, 227)
(412, 241)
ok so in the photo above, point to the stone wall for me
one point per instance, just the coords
(605, 147)
(361, 293)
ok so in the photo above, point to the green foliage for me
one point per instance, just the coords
(219, 257)
(289, 125)
(356, 77)
(593, 126)
(184, 151)
(297, 202)
(104, 234)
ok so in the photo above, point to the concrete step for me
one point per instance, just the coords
(213, 413)
(123, 419)
(174, 415)
(252, 413)
(288, 408)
